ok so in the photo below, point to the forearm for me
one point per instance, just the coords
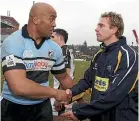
(80, 87)
(84, 83)
(67, 82)
(30, 89)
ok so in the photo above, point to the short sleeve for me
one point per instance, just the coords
(59, 66)
(12, 50)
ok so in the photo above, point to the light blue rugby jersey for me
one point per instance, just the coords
(19, 51)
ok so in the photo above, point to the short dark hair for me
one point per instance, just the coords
(62, 33)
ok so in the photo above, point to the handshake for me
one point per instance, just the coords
(63, 95)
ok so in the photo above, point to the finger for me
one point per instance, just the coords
(69, 118)
(63, 102)
(68, 92)
(61, 106)
(68, 106)
(57, 108)
(66, 103)
(64, 114)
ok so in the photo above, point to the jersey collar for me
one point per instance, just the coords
(25, 34)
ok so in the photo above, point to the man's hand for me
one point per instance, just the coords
(58, 105)
(68, 91)
(70, 115)
(63, 95)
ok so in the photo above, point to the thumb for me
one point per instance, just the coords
(68, 106)
(68, 92)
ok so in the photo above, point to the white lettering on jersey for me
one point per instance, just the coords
(10, 61)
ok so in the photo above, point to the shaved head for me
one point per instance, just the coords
(41, 9)
(42, 18)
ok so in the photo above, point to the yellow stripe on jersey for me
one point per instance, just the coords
(133, 86)
(97, 54)
(119, 60)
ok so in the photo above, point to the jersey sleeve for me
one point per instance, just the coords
(59, 66)
(12, 50)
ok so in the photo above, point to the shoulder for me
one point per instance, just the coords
(13, 44)
(65, 47)
(15, 39)
(65, 50)
(129, 55)
(127, 50)
(53, 44)
(96, 55)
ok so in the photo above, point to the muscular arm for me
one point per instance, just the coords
(65, 81)
(21, 86)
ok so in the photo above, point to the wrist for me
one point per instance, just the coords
(55, 93)
(69, 92)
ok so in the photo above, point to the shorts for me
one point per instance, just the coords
(15, 112)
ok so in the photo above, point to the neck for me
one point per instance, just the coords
(110, 40)
(33, 33)
(61, 44)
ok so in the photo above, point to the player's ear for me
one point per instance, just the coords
(36, 20)
(61, 38)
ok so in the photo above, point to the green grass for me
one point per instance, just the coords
(80, 67)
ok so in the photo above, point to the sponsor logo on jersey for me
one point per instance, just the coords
(50, 53)
(101, 84)
(10, 61)
(28, 53)
(38, 64)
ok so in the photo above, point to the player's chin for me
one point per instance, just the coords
(50, 33)
(99, 40)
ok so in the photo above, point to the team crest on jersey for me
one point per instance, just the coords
(10, 61)
(51, 54)
(109, 68)
(28, 53)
